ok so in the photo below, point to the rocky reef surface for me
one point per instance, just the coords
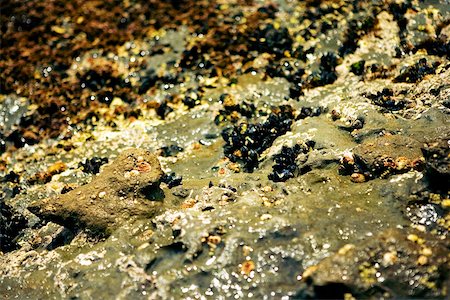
(224, 149)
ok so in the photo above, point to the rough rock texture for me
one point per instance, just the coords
(11, 224)
(127, 188)
(365, 81)
(437, 156)
(394, 264)
(388, 154)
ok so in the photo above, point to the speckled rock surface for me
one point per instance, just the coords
(385, 265)
(284, 131)
(127, 188)
(389, 154)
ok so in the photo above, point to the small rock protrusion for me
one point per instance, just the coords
(111, 198)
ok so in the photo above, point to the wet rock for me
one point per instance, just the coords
(51, 236)
(180, 192)
(171, 150)
(437, 162)
(385, 155)
(318, 159)
(272, 230)
(215, 196)
(92, 166)
(394, 264)
(11, 224)
(356, 29)
(127, 188)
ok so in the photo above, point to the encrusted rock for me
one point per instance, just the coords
(437, 156)
(388, 154)
(394, 264)
(11, 223)
(127, 188)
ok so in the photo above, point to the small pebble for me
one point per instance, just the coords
(445, 203)
(420, 227)
(265, 217)
(422, 260)
(246, 250)
(247, 267)
(427, 251)
(267, 189)
(401, 163)
(358, 178)
(413, 237)
(214, 239)
(345, 249)
(188, 203)
(389, 258)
